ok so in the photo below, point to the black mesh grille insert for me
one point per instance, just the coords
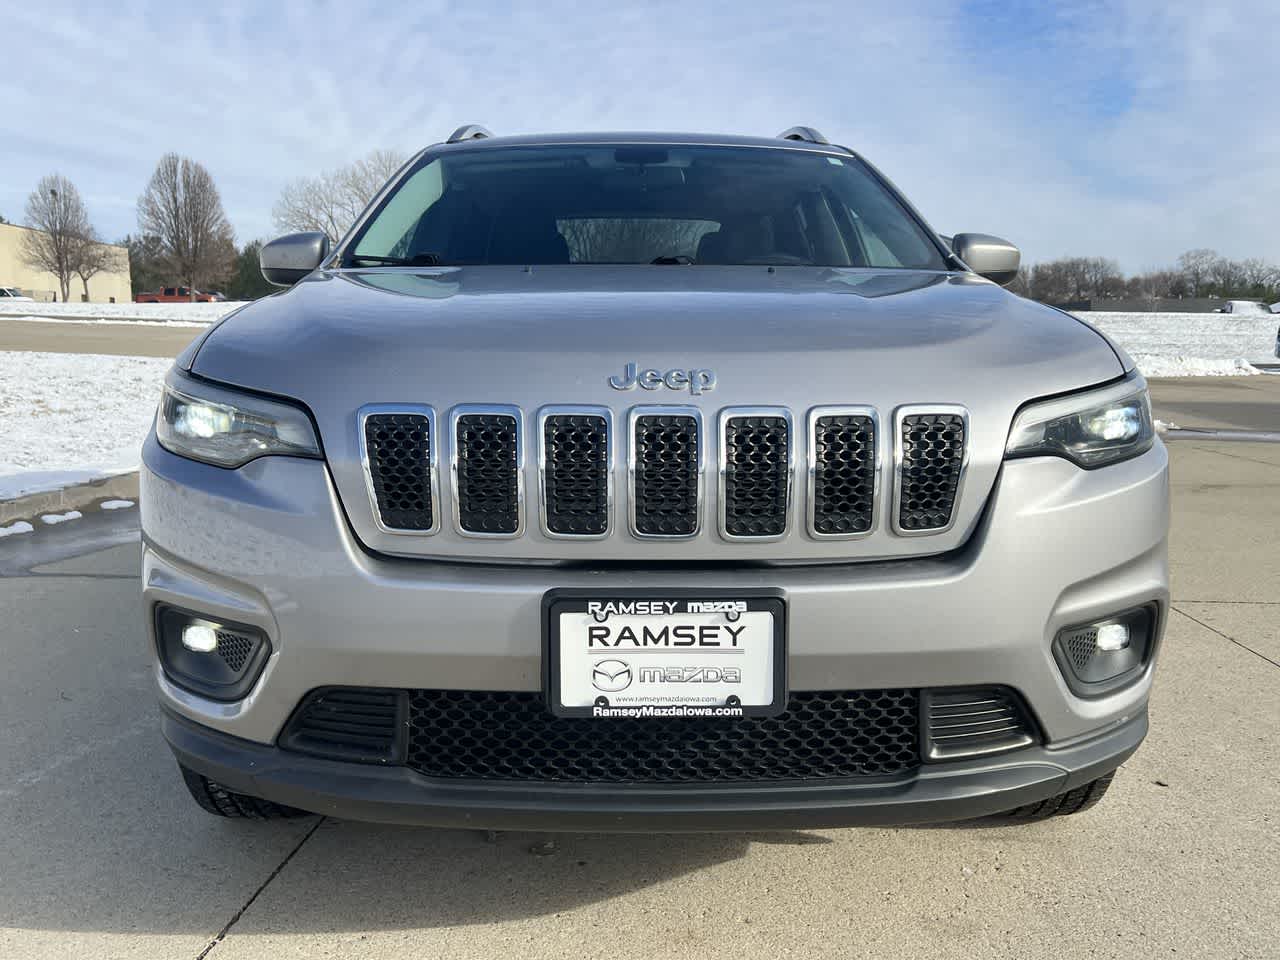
(576, 449)
(1081, 647)
(932, 455)
(399, 446)
(967, 721)
(350, 723)
(756, 476)
(844, 474)
(512, 736)
(666, 475)
(488, 481)
(234, 649)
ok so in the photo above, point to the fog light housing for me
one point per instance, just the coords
(215, 658)
(1105, 655)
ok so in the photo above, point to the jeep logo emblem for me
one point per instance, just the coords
(697, 381)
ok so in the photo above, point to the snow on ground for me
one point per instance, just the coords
(1190, 344)
(157, 312)
(70, 418)
(116, 504)
(14, 528)
(55, 518)
(1192, 367)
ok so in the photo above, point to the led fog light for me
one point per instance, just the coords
(214, 658)
(1112, 637)
(1100, 657)
(199, 638)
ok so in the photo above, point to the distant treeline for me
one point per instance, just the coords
(1198, 273)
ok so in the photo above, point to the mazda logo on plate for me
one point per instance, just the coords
(611, 676)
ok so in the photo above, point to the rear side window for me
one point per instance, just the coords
(643, 204)
(170, 292)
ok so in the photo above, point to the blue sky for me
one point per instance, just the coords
(1132, 129)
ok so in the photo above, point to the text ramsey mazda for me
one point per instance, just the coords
(646, 482)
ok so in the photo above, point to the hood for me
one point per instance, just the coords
(530, 336)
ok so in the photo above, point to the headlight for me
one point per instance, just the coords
(1092, 429)
(228, 428)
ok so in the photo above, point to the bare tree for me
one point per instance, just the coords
(59, 223)
(331, 202)
(1195, 267)
(181, 207)
(94, 257)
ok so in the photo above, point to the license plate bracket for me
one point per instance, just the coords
(729, 643)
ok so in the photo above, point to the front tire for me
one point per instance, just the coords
(1064, 804)
(216, 799)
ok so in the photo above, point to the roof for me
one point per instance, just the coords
(712, 139)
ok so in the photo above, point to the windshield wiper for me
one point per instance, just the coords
(681, 259)
(417, 260)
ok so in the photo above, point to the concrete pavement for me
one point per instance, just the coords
(113, 339)
(104, 854)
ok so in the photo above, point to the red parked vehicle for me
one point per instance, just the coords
(174, 295)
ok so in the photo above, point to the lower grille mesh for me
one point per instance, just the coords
(512, 736)
(757, 472)
(488, 476)
(666, 475)
(932, 456)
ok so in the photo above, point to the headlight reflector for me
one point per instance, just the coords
(1092, 429)
(228, 428)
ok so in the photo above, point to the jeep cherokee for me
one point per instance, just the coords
(651, 482)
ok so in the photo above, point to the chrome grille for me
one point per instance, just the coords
(755, 473)
(487, 469)
(930, 459)
(576, 470)
(844, 468)
(665, 448)
(666, 472)
(397, 448)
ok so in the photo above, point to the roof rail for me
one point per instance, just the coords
(807, 134)
(469, 131)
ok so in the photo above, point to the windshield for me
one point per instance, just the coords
(643, 204)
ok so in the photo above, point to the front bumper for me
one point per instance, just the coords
(268, 546)
(940, 792)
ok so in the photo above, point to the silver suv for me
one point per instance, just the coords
(638, 482)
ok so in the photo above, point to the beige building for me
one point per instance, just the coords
(107, 286)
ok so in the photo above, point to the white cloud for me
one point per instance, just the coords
(1133, 131)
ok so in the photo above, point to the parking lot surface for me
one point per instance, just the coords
(105, 855)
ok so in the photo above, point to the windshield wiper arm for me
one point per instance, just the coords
(682, 259)
(417, 260)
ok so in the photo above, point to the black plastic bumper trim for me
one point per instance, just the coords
(937, 793)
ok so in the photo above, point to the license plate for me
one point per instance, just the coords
(664, 654)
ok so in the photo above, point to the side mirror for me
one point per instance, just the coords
(988, 256)
(288, 259)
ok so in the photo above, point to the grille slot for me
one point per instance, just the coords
(843, 472)
(348, 723)
(974, 721)
(575, 474)
(931, 449)
(755, 474)
(665, 464)
(397, 448)
(463, 734)
(487, 464)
